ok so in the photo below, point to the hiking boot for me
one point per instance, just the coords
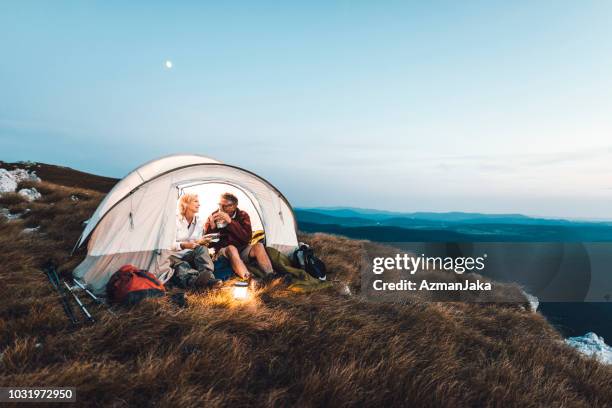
(207, 281)
(214, 283)
(179, 299)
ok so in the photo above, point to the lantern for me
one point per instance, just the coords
(241, 290)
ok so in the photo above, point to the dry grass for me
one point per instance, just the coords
(279, 348)
(64, 176)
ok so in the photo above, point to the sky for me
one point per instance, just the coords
(494, 107)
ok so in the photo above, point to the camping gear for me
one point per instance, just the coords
(135, 223)
(129, 285)
(78, 284)
(88, 315)
(240, 290)
(258, 236)
(89, 293)
(51, 273)
(300, 280)
(305, 258)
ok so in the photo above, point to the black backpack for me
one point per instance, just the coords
(305, 258)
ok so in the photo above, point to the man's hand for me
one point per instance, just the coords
(222, 216)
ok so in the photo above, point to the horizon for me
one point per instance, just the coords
(423, 107)
(408, 212)
(396, 212)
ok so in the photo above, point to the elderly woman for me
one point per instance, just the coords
(191, 262)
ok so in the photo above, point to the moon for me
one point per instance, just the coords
(168, 64)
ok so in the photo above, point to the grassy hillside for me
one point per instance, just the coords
(65, 176)
(278, 349)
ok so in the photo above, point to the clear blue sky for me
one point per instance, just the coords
(436, 106)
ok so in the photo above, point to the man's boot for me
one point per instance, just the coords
(206, 280)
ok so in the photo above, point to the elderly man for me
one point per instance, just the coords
(234, 228)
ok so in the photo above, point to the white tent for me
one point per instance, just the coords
(135, 223)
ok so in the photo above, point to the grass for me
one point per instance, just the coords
(277, 349)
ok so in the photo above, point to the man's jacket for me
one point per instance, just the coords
(237, 233)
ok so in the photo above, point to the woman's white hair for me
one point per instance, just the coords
(184, 202)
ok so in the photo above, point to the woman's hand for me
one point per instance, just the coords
(189, 245)
(204, 241)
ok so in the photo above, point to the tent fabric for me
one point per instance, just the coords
(134, 179)
(135, 223)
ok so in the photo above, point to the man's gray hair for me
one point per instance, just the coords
(230, 197)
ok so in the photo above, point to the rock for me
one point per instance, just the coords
(23, 175)
(10, 178)
(8, 184)
(27, 163)
(31, 230)
(4, 212)
(30, 194)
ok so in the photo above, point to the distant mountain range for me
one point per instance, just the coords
(347, 212)
(390, 226)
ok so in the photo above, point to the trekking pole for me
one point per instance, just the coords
(60, 288)
(49, 270)
(81, 305)
(95, 298)
(80, 285)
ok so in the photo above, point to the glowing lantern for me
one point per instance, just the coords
(241, 290)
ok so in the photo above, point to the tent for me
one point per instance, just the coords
(136, 221)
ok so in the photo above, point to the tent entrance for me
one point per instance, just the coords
(209, 193)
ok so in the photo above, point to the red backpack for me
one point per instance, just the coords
(129, 285)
